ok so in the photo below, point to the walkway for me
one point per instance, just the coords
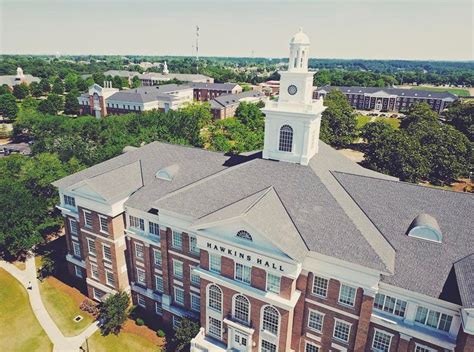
(60, 342)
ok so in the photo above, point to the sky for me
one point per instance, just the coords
(368, 29)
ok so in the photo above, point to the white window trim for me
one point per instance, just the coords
(89, 240)
(383, 332)
(424, 346)
(107, 277)
(311, 344)
(173, 234)
(136, 244)
(102, 217)
(174, 267)
(103, 252)
(78, 246)
(191, 301)
(334, 330)
(197, 251)
(86, 225)
(266, 282)
(327, 286)
(92, 271)
(138, 300)
(340, 291)
(322, 321)
(155, 250)
(176, 288)
(220, 263)
(138, 275)
(160, 311)
(233, 308)
(243, 267)
(78, 271)
(94, 290)
(267, 332)
(71, 221)
(191, 268)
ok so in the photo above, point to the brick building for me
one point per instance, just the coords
(225, 105)
(293, 249)
(209, 91)
(389, 99)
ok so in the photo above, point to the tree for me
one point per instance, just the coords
(419, 112)
(58, 86)
(71, 104)
(251, 116)
(81, 84)
(45, 86)
(51, 105)
(8, 106)
(36, 89)
(21, 91)
(338, 122)
(70, 81)
(29, 103)
(117, 82)
(136, 82)
(113, 313)
(5, 89)
(185, 332)
(461, 116)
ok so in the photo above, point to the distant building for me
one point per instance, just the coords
(102, 101)
(270, 88)
(389, 99)
(208, 91)
(225, 105)
(154, 78)
(20, 77)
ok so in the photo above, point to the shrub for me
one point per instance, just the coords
(89, 306)
(160, 333)
(139, 322)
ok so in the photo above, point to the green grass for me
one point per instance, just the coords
(19, 329)
(123, 342)
(62, 307)
(458, 91)
(362, 120)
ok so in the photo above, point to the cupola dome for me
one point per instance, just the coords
(300, 38)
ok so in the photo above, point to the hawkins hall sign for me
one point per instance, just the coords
(253, 258)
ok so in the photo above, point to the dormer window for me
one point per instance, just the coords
(245, 235)
(425, 227)
(167, 173)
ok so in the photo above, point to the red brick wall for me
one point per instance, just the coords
(363, 324)
(465, 342)
(259, 278)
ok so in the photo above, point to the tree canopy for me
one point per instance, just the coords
(113, 313)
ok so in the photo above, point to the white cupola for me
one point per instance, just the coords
(165, 68)
(292, 123)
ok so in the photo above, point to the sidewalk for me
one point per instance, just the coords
(60, 342)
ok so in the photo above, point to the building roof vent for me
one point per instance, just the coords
(425, 227)
(167, 173)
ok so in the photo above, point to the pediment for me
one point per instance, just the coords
(85, 190)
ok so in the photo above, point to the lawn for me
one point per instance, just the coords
(62, 302)
(123, 342)
(362, 120)
(20, 331)
(458, 91)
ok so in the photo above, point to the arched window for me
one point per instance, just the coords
(286, 139)
(245, 235)
(241, 308)
(215, 297)
(270, 320)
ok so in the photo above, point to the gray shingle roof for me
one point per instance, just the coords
(231, 99)
(410, 93)
(215, 86)
(421, 266)
(465, 278)
(147, 94)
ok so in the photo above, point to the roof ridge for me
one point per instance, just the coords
(268, 189)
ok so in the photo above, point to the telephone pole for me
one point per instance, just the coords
(197, 48)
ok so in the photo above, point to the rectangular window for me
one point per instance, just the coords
(104, 224)
(91, 246)
(97, 294)
(310, 347)
(315, 320)
(87, 219)
(195, 302)
(157, 257)
(342, 330)
(195, 279)
(73, 226)
(159, 283)
(70, 201)
(95, 271)
(177, 240)
(78, 271)
(347, 295)
(215, 327)
(381, 341)
(158, 308)
(243, 273)
(179, 296)
(423, 348)
(139, 254)
(76, 249)
(320, 286)
(109, 277)
(176, 322)
(215, 263)
(267, 346)
(141, 279)
(193, 245)
(273, 283)
(390, 304)
(141, 301)
(154, 229)
(433, 319)
(177, 269)
(137, 223)
(107, 254)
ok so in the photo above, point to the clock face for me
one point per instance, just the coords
(292, 89)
